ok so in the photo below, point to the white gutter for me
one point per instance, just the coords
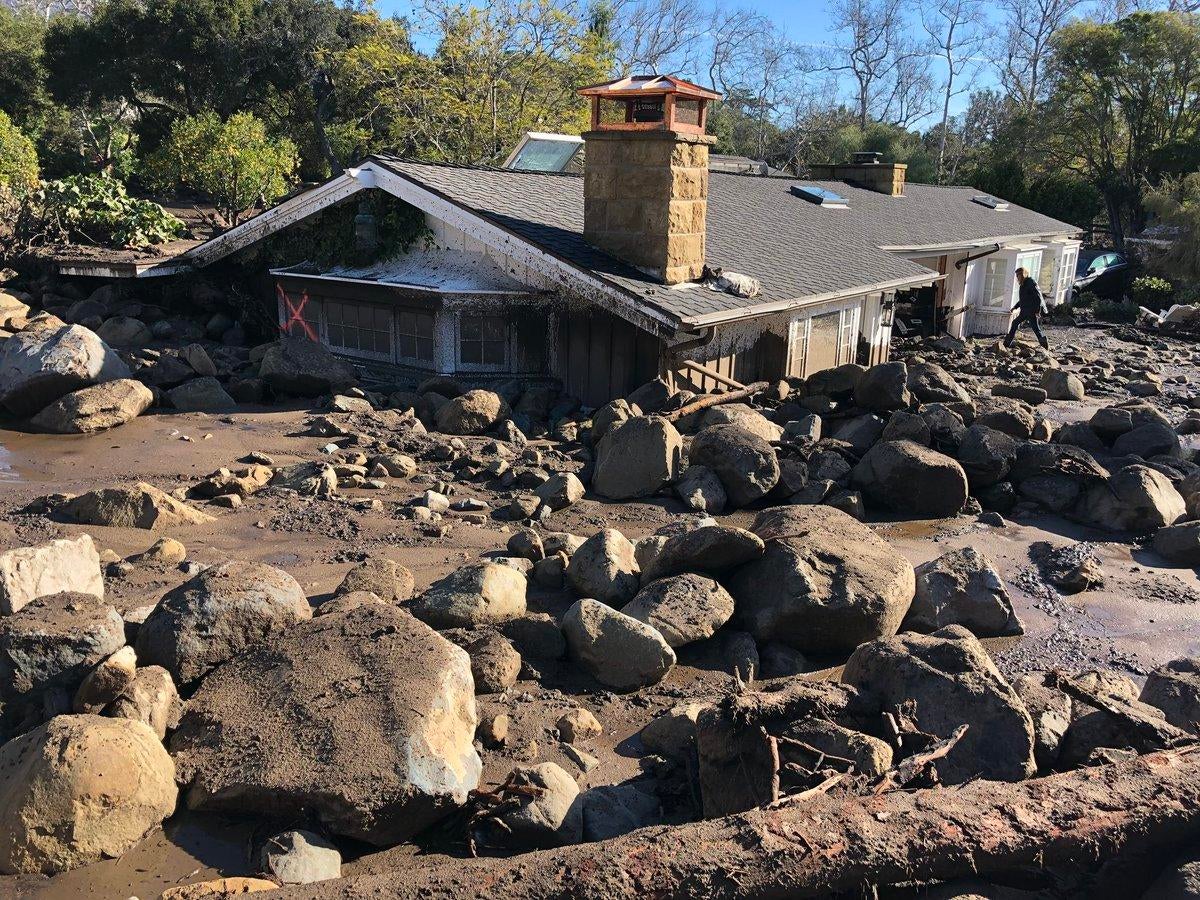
(424, 288)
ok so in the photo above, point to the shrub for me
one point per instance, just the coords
(1152, 293)
(1086, 298)
(94, 209)
(18, 159)
(232, 161)
(1116, 310)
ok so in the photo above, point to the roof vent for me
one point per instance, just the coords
(991, 202)
(820, 196)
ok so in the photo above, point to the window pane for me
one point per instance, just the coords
(493, 352)
(472, 328)
(424, 349)
(335, 335)
(471, 352)
(493, 329)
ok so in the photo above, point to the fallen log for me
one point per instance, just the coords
(836, 842)
(715, 400)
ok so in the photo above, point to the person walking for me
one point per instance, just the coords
(1030, 305)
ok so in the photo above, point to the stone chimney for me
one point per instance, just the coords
(865, 172)
(646, 174)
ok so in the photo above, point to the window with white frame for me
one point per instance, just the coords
(359, 329)
(997, 283)
(848, 336)
(1047, 275)
(1066, 273)
(799, 332)
(483, 341)
(414, 336)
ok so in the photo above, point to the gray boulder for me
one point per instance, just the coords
(124, 332)
(930, 383)
(477, 594)
(1062, 385)
(683, 608)
(615, 649)
(49, 360)
(1050, 709)
(962, 587)
(1137, 498)
(745, 463)
(744, 417)
(711, 548)
(825, 583)
(201, 395)
(300, 857)
(986, 455)
(883, 388)
(217, 615)
(1174, 688)
(304, 368)
(386, 578)
(281, 729)
(1151, 439)
(55, 567)
(909, 478)
(1180, 544)
(605, 568)
(95, 408)
(637, 458)
(545, 811)
(475, 412)
(701, 490)
(942, 681)
(141, 506)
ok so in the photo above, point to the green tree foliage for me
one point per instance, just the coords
(1124, 109)
(233, 161)
(18, 159)
(1176, 203)
(22, 74)
(93, 209)
(498, 70)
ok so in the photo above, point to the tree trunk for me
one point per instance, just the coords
(825, 844)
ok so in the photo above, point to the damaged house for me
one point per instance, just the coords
(608, 279)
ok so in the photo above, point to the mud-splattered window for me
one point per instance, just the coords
(359, 328)
(414, 336)
(483, 341)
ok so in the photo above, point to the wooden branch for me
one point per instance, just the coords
(1153, 735)
(715, 400)
(832, 843)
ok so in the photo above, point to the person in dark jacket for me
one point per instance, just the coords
(1029, 304)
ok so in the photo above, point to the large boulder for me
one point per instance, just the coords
(48, 360)
(838, 382)
(986, 455)
(95, 408)
(151, 698)
(304, 368)
(825, 583)
(1179, 544)
(484, 593)
(745, 463)
(475, 412)
(80, 789)
(1006, 414)
(617, 650)
(939, 682)
(605, 568)
(962, 587)
(544, 811)
(387, 579)
(883, 388)
(363, 720)
(141, 506)
(682, 608)
(50, 645)
(701, 490)
(1174, 688)
(66, 564)
(637, 458)
(712, 548)
(1137, 498)
(908, 478)
(201, 395)
(125, 332)
(744, 417)
(1151, 439)
(1062, 385)
(217, 615)
(930, 383)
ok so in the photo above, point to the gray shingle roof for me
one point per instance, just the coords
(756, 226)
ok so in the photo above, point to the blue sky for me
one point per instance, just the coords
(804, 21)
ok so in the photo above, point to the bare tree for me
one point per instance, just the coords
(874, 42)
(952, 26)
(1024, 48)
(657, 36)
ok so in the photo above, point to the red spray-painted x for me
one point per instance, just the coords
(295, 313)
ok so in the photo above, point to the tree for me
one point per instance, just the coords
(232, 161)
(22, 76)
(1125, 106)
(1024, 47)
(1176, 202)
(18, 159)
(952, 26)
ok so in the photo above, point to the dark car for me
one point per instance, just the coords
(1106, 275)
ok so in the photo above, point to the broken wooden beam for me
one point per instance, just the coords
(836, 842)
(715, 400)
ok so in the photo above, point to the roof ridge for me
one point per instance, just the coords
(387, 158)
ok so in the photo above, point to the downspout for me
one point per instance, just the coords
(970, 258)
(671, 355)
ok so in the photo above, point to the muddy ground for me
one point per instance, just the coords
(1144, 615)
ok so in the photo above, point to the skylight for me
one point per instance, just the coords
(538, 152)
(820, 196)
(991, 202)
